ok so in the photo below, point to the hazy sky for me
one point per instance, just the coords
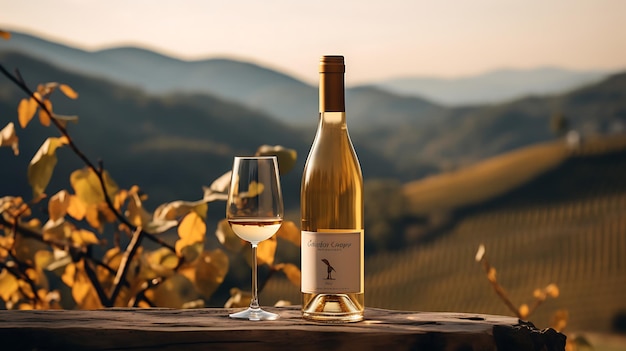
(380, 39)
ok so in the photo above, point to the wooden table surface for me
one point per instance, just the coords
(211, 329)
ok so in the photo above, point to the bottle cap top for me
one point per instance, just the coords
(332, 64)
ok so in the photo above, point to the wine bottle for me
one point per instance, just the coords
(331, 203)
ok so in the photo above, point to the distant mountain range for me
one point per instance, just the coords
(153, 103)
(289, 99)
(493, 87)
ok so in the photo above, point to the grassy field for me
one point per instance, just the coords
(546, 214)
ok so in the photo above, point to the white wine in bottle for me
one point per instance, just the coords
(331, 206)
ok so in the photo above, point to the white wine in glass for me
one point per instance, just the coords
(254, 211)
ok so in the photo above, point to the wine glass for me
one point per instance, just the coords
(254, 211)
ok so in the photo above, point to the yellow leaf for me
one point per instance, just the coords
(84, 237)
(76, 208)
(8, 285)
(559, 320)
(5, 35)
(191, 229)
(201, 209)
(93, 217)
(26, 248)
(58, 204)
(120, 199)
(135, 212)
(26, 289)
(113, 257)
(227, 237)
(238, 299)
(292, 272)
(68, 91)
(87, 186)
(44, 114)
(46, 89)
(58, 261)
(211, 269)
(8, 137)
(26, 111)
(290, 232)
(189, 251)
(82, 291)
(69, 274)
(255, 189)
(552, 290)
(57, 230)
(6, 242)
(37, 275)
(106, 212)
(174, 292)
(42, 165)
(523, 311)
(492, 275)
(161, 262)
(219, 188)
(266, 251)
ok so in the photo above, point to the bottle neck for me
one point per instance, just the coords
(332, 92)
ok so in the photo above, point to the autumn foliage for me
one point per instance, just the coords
(86, 249)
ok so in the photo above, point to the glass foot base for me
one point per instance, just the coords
(254, 314)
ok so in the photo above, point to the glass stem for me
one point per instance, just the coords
(254, 302)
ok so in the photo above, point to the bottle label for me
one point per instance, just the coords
(331, 262)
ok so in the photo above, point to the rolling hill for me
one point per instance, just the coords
(462, 136)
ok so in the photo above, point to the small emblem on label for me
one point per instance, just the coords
(329, 270)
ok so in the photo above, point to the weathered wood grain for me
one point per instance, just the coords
(211, 329)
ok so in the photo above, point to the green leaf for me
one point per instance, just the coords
(42, 165)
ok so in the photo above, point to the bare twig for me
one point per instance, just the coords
(131, 249)
(491, 276)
